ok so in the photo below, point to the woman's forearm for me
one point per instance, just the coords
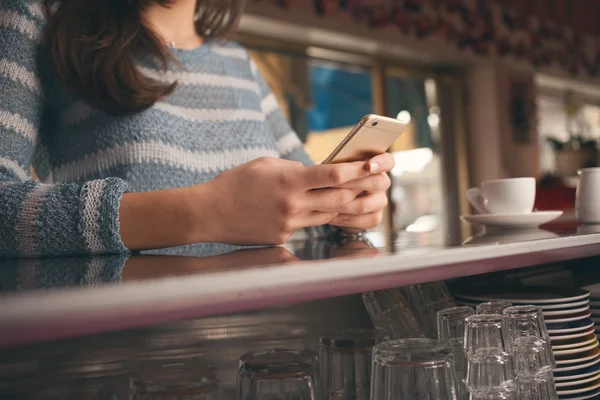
(165, 218)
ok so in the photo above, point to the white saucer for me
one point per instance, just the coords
(513, 221)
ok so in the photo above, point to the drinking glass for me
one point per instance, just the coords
(279, 374)
(485, 334)
(389, 313)
(493, 307)
(451, 324)
(430, 293)
(532, 357)
(412, 369)
(345, 364)
(425, 300)
(524, 323)
(490, 371)
(541, 387)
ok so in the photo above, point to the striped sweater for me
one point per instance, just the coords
(221, 115)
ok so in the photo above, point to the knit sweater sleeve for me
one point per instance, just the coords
(42, 219)
(289, 145)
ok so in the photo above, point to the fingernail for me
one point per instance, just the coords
(373, 167)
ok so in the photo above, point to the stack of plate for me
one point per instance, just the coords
(568, 318)
(595, 305)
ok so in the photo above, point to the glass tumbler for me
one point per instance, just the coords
(390, 314)
(426, 299)
(430, 293)
(451, 324)
(532, 357)
(490, 371)
(526, 322)
(345, 364)
(493, 307)
(279, 374)
(485, 334)
(541, 387)
(412, 369)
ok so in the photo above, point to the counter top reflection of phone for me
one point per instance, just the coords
(372, 136)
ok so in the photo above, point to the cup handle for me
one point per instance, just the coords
(476, 199)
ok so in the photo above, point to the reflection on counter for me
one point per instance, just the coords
(205, 258)
(46, 273)
(499, 236)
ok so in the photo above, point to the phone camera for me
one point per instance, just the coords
(374, 123)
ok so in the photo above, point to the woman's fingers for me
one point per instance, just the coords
(330, 200)
(317, 218)
(330, 175)
(365, 204)
(373, 183)
(364, 221)
(345, 201)
(381, 163)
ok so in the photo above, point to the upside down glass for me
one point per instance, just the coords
(526, 321)
(494, 307)
(527, 333)
(426, 299)
(279, 374)
(390, 314)
(413, 369)
(345, 364)
(489, 372)
(451, 324)
(532, 357)
(485, 334)
(541, 387)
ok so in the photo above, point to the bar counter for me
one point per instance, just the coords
(50, 299)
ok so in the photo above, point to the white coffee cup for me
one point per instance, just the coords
(504, 196)
(587, 203)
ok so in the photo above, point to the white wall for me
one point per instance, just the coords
(483, 124)
(493, 151)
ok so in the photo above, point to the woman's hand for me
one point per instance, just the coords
(261, 202)
(366, 210)
(266, 200)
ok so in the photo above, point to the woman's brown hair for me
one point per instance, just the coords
(91, 45)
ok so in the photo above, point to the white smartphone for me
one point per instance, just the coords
(372, 136)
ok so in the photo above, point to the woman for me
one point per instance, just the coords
(150, 131)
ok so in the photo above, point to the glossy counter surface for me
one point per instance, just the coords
(48, 299)
(198, 359)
